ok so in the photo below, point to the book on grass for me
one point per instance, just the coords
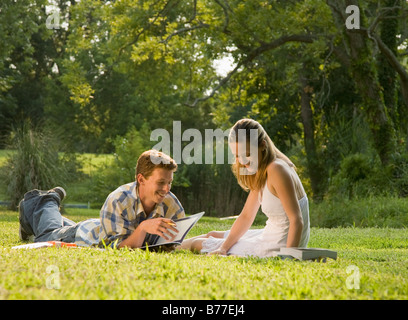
(307, 253)
(183, 225)
(46, 244)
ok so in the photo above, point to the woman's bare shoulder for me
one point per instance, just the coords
(278, 174)
(278, 167)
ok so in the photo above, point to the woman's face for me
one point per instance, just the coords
(246, 155)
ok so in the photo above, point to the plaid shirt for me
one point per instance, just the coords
(121, 215)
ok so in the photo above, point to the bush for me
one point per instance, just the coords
(361, 176)
(35, 164)
(213, 189)
(369, 212)
(121, 169)
(399, 173)
(354, 177)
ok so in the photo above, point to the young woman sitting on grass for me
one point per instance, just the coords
(272, 182)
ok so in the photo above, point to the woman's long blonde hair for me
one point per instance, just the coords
(268, 154)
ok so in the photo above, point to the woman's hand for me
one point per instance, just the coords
(220, 251)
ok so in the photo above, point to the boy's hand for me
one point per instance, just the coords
(163, 227)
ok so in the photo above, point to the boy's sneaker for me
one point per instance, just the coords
(23, 233)
(60, 191)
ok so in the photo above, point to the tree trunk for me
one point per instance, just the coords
(364, 73)
(314, 167)
(386, 73)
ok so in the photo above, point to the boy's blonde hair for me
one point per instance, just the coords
(152, 159)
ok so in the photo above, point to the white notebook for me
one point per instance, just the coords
(183, 225)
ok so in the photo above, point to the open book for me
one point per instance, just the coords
(307, 254)
(183, 225)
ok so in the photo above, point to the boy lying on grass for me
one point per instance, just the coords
(131, 216)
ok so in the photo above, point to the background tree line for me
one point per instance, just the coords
(334, 99)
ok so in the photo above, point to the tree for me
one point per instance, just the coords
(386, 73)
(24, 60)
(296, 68)
(362, 67)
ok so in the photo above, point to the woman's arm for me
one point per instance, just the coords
(280, 180)
(243, 222)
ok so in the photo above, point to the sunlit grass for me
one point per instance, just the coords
(380, 254)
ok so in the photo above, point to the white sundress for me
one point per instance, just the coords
(265, 242)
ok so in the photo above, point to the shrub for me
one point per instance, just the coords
(353, 177)
(121, 169)
(35, 164)
(364, 212)
(399, 173)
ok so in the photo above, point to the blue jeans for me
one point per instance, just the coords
(41, 217)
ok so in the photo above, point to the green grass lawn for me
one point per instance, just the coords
(377, 257)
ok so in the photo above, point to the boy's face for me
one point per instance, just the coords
(157, 185)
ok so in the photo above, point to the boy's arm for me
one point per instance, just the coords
(118, 228)
(115, 227)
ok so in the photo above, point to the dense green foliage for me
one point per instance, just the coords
(330, 97)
